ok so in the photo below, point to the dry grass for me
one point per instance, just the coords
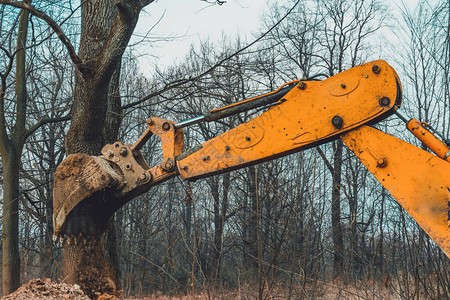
(333, 290)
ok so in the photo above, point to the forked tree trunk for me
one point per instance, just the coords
(107, 26)
(84, 259)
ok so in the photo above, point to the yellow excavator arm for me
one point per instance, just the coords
(301, 115)
(310, 114)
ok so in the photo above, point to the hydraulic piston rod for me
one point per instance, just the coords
(242, 106)
(425, 136)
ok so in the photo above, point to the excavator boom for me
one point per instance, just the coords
(301, 115)
(417, 179)
(310, 114)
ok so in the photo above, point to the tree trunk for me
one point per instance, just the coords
(86, 133)
(11, 151)
(10, 233)
(379, 263)
(220, 212)
(338, 242)
(48, 250)
(106, 29)
(85, 263)
(84, 257)
(217, 241)
(111, 129)
(353, 205)
(253, 220)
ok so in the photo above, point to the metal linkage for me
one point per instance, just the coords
(242, 106)
(427, 135)
(404, 117)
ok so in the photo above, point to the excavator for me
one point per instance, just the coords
(299, 115)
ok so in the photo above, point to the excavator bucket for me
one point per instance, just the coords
(76, 179)
(88, 190)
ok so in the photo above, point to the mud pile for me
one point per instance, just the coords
(47, 289)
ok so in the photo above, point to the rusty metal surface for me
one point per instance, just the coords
(120, 174)
(306, 117)
(417, 179)
(139, 177)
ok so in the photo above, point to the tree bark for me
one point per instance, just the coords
(106, 29)
(220, 212)
(85, 263)
(91, 89)
(338, 242)
(253, 221)
(10, 233)
(111, 129)
(11, 151)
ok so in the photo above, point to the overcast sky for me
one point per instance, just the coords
(186, 22)
(177, 24)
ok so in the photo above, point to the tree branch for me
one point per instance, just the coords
(218, 64)
(3, 134)
(325, 160)
(122, 29)
(56, 28)
(42, 122)
(167, 87)
(21, 91)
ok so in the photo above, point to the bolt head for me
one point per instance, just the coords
(343, 86)
(376, 69)
(145, 177)
(227, 148)
(382, 162)
(123, 151)
(247, 138)
(166, 126)
(301, 85)
(168, 165)
(337, 122)
(385, 101)
(110, 154)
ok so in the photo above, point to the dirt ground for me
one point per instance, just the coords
(47, 289)
(38, 289)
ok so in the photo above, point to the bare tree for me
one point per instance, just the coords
(105, 32)
(11, 150)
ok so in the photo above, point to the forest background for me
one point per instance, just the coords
(291, 226)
